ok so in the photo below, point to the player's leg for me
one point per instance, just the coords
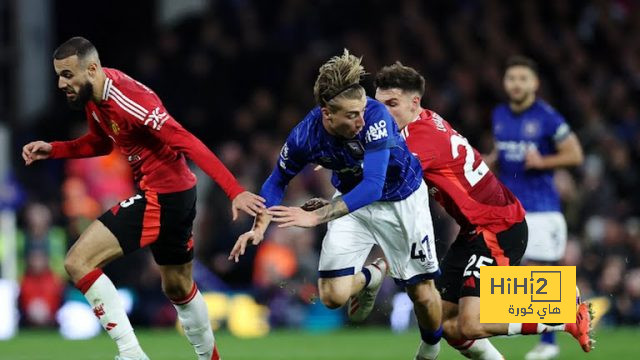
(95, 248)
(345, 248)
(173, 252)
(409, 247)
(179, 287)
(449, 284)
(546, 247)
(512, 242)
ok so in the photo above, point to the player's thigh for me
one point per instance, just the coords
(450, 281)
(548, 236)
(95, 247)
(404, 231)
(449, 309)
(469, 310)
(490, 249)
(135, 221)
(345, 246)
(174, 243)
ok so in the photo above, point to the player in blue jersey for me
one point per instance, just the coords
(532, 139)
(380, 195)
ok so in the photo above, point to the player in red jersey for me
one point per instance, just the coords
(493, 230)
(123, 112)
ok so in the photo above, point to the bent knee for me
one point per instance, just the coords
(470, 329)
(178, 290)
(76, 268)
(424, 292)
(334, 300)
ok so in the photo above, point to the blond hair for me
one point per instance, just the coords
(339, 77)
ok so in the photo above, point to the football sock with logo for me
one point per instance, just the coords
(533, 328)
(107, 306)
(193, 315)
(548, 338)
(480, 349)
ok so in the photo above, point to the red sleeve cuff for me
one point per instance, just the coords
(235, 191)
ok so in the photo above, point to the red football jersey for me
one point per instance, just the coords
(458, 177)
(131, 116)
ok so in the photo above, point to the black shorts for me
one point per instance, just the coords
(161, 221)
(460, 266)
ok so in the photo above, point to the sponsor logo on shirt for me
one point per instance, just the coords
(376, 131)
(515, 150)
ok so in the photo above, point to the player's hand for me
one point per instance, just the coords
(314, 204)
(533, 159)
(241, 244)
(248, 202)
(36, 150)
(293, 216)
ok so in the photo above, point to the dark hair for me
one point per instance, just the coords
(520, 60)
(401, 77)
(75, 46)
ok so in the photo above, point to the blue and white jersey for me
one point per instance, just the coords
(541, 127)
(309, 142)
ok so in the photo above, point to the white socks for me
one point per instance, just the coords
(428, 352)
(532, 328)
(480, 349)
(193, 315)
(105, 301)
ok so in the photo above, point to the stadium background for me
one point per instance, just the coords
(239, 75)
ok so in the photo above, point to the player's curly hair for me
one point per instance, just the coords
(339, 77)
(398, 76)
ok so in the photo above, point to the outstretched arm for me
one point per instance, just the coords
(94, 143)
(273, 192)
(179, 139)
(365, 193)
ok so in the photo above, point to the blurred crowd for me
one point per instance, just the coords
(240, 76)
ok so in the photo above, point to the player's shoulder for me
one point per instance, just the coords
(545, 108)
(120, 83)
(130, 97)
(500, 111)
(430, 122)
(304, 131)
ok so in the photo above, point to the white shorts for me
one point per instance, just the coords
(403, 229)
(547, 236)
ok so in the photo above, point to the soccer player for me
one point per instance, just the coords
(493, 230)
(532, 140)
(380, 194)
(123, 112)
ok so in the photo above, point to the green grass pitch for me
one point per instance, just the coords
(348, 344)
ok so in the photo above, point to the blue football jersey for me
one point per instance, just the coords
(541, 127)
(309, 142)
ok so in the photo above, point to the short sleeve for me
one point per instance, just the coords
(379, 128)
(557, 128)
